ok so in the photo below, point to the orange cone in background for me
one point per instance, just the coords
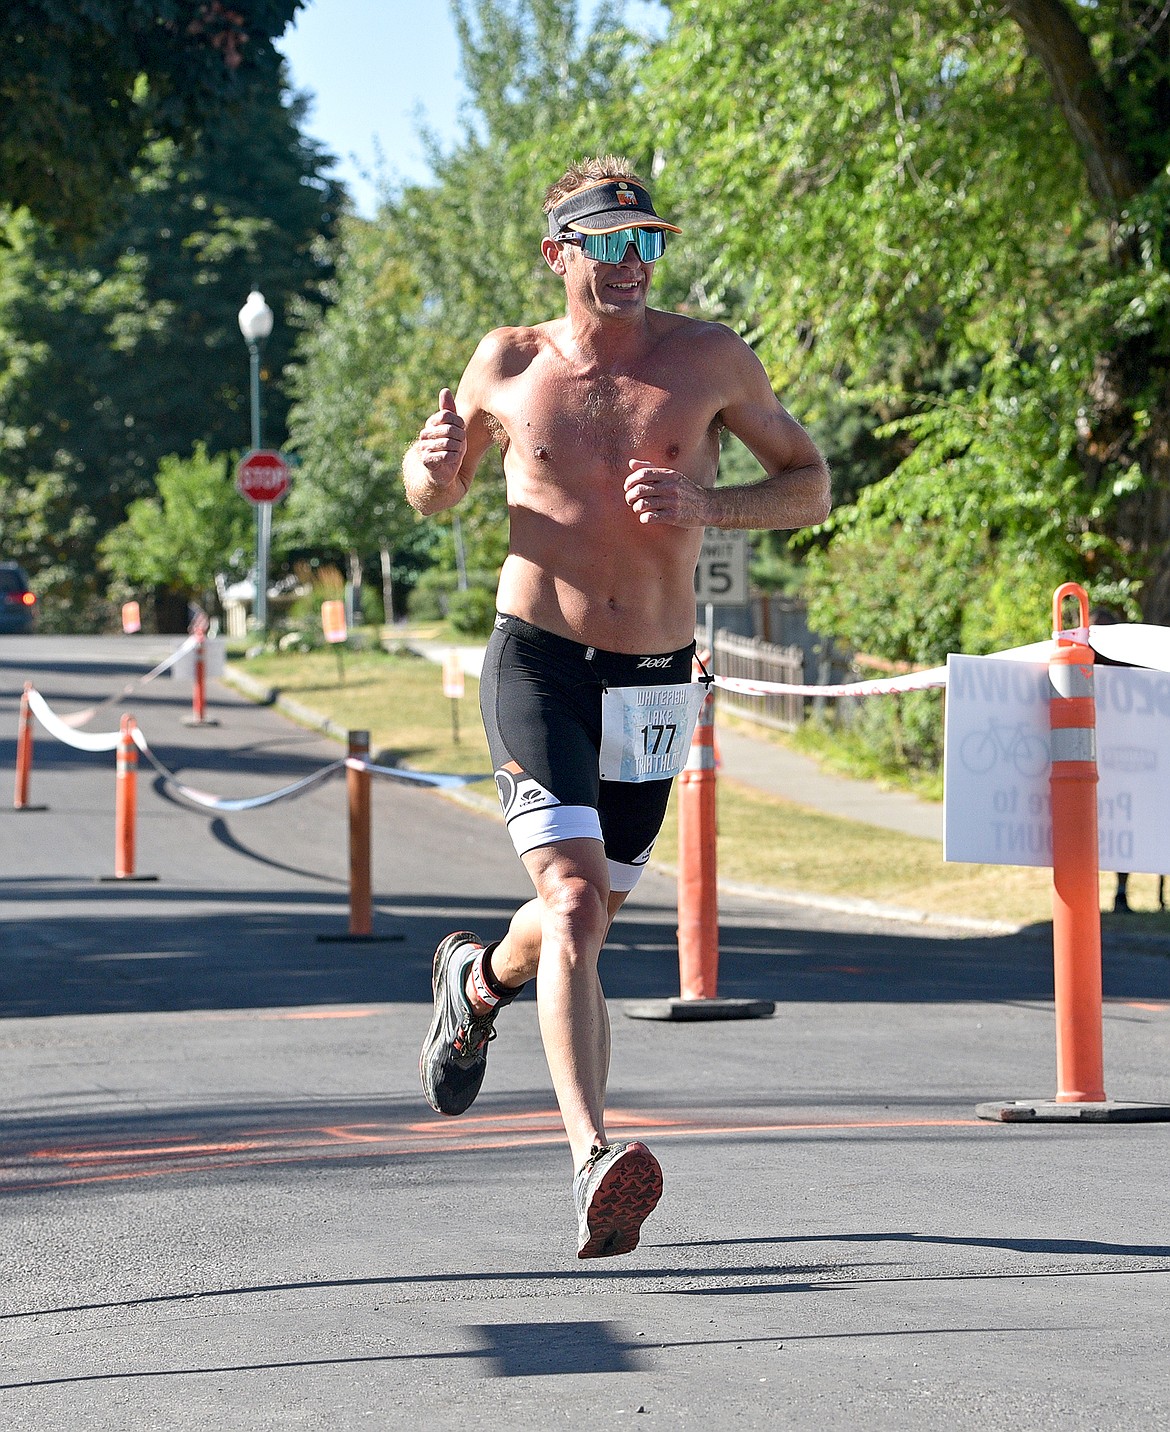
(1076, 900)
(1076, 903)
(199, 686)
(125, 802)
(698, 895)
(357, 794)
(698, 898)
(126, 806)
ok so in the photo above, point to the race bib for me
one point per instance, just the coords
(646, 730)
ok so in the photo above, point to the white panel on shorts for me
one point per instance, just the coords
(547, 825)
(623, 878)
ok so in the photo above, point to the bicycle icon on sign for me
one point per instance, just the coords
(980, 751)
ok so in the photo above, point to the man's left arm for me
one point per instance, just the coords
(795, 490)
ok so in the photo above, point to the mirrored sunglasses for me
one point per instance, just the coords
(611, 248)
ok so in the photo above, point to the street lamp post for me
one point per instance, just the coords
(256, 324)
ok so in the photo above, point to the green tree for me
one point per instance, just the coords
(43, 527)
(352, 412)
(445, 262)
(882, 193)
(85, 88)
(114, 357)
(183, 538)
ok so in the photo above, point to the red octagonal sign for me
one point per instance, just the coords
(262, 476)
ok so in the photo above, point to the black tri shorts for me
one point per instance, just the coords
(540, 697)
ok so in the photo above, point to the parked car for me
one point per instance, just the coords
(18, 603)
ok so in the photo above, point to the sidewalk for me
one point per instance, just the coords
(771, 767)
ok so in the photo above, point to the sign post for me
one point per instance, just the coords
(262, 476)
(453, 688)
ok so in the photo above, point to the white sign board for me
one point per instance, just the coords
(722, 573)
(214, 660)
(998, 808)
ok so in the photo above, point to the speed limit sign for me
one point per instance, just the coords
(722, 573)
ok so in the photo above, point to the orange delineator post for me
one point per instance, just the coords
(24, 751)
(698, 905)
(357, 790)
(1076, 903)
(125, 801)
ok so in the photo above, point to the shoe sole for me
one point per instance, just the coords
(626, 1196)
(461, 937)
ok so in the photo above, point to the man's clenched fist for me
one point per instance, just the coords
(443, 441)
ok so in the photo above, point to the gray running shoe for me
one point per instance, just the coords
(454, 1054)
(615, 1193)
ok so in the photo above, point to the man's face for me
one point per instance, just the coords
(609, 289)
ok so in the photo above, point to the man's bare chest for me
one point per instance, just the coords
(566, 424)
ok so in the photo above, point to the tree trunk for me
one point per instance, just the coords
(354, 563)
(1128, 370)
(1058, 42)
(1144, 518)
(387, 583)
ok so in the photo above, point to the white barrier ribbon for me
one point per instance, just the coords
(209, 802)
(56, 726)
(1133, 644)
(912, 681)
(414, 778)
(79, 718)
(1138, 644)
(108, 741)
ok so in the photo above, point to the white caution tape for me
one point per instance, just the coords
(912, 681)
(414, 778)
(55, 726)
(79, 718)
(109, 741)
(1134, 645)
(209, 802)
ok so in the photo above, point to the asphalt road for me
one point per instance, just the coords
(226, 1204)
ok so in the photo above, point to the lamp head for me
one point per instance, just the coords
(255, 318)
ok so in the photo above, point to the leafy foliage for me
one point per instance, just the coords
(85, 88)
(444, 263)
(895, 211)
(112, 358)
(185, 536)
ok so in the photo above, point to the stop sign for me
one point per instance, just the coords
(262, 476)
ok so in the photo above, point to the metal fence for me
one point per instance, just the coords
(758, 660)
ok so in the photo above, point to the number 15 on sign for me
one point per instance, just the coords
(722, 571)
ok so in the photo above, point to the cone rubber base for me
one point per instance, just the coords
(1048, 1111)
(686, 1010)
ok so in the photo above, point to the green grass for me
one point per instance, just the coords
(398, 699)
(763, 839)
(840, 751)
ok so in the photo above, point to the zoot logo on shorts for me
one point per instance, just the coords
(656, 662)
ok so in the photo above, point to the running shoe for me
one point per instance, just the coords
(615, 1193)
(454, 1054)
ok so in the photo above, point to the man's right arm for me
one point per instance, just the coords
(438, 466)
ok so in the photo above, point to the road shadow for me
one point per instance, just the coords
(88, 948)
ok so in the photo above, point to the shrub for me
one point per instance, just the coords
(473, 612)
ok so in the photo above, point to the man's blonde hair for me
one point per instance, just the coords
(589, 171)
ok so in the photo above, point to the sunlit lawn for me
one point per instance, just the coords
(763, 840)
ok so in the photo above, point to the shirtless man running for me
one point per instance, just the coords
(609, 421)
